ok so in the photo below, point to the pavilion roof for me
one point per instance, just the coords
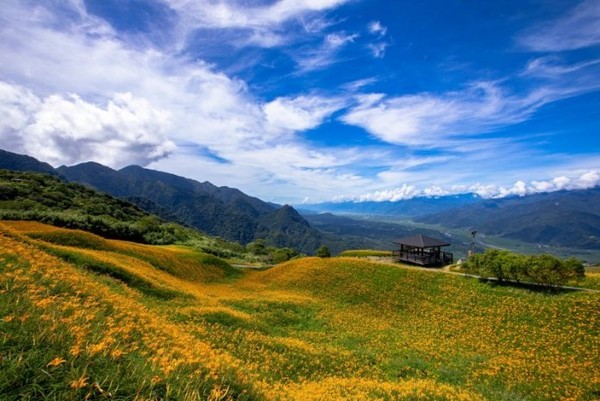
(422, 241)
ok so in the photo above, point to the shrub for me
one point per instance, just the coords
(323, 252)
(541, 269)
(281, 255)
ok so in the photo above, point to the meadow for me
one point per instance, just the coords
(83, 317)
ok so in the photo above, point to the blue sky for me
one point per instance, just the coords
(311, 100)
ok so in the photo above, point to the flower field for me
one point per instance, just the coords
(82, 317)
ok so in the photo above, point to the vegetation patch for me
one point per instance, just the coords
(47, 199)
(116, 272)
(279, 318)
(74, 238)
(540, 269)
(363, 253)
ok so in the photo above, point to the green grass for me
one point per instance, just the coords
(366, 253)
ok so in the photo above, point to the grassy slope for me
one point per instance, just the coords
(140, 321)
(363, 253)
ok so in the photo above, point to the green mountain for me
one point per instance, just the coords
(13, 161)
(285, 227)
(218, 211)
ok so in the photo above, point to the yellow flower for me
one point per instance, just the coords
(56, 362)
(79, 383)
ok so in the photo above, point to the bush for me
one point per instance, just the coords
(541, 269)
(323, 252)
(281, 255)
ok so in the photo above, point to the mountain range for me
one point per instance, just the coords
(418, 206)
(561, 219)
(219, 211)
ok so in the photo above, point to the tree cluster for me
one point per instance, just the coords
(507, 266)
(270, 254)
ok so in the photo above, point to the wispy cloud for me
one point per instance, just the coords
(316, 58)
(554, 67)
(578, 28)
(432, 119)
(437, 120)
(231, 15)
(378, 49)
(357, 85)
(262, 22)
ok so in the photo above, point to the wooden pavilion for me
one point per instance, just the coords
(422, 250)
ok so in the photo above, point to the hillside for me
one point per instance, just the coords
(41, 197)
(564, 218)
(218, 211)
(103, 318)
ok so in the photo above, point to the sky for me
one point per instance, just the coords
(305, 101)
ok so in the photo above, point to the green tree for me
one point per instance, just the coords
(323, 252)
(258, 247)
(281, 255)
(542, 269)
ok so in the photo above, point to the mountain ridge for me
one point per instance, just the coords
(221, 211)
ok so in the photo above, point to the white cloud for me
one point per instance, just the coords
(324, 55)
(378, 49)
(300, 113)
(578, 28)
(376, 28)
(70, 130)
(392, 195)
(264, 21)
(551, 67)
(585, 180)
(588, 179)
(355, 86)
(439, 119)
(427, 119)
(340, 39)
